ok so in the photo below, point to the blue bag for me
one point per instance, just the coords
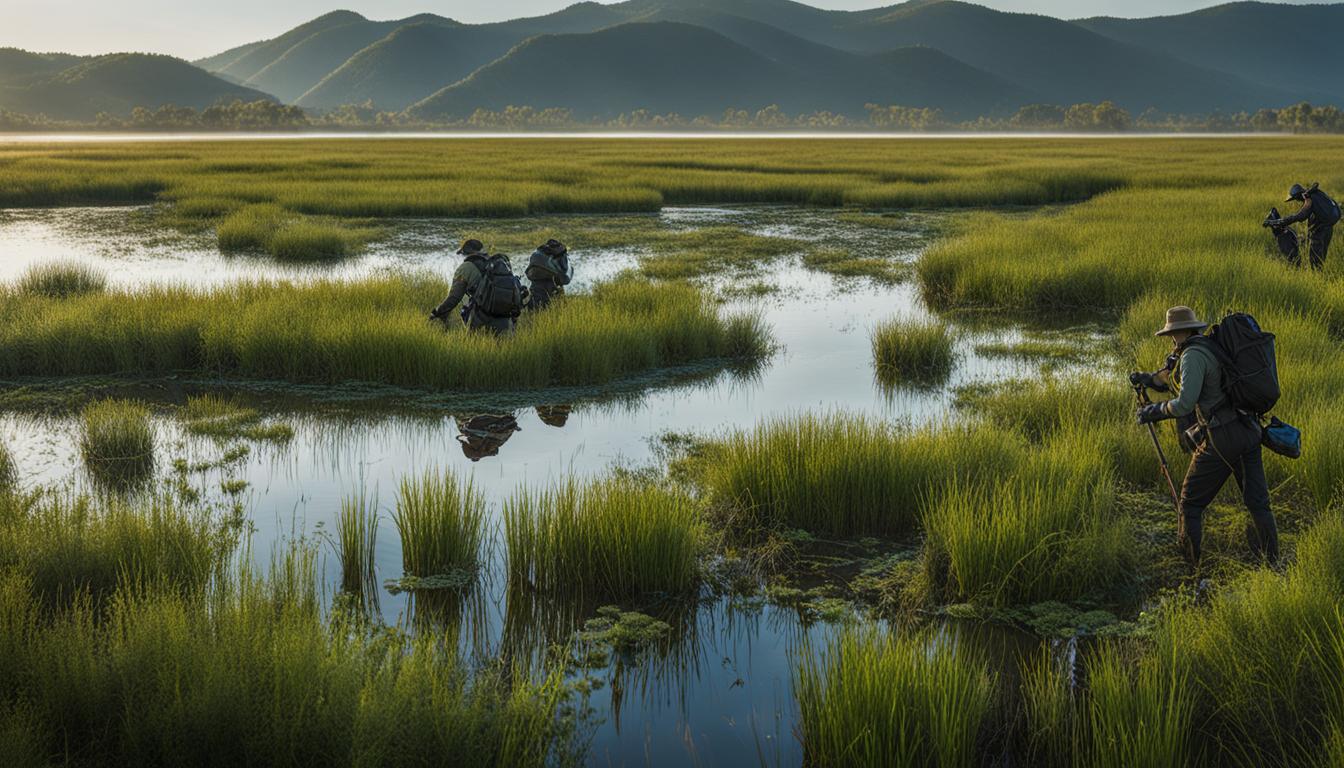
(1283, 439)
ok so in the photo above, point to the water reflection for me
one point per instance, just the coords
(482, 435)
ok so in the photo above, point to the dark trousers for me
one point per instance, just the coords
(1230, 450)
(542, 291)
(1320, 245)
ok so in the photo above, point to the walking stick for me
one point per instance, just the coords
(1142, 393)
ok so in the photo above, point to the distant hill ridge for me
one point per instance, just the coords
(598, 60)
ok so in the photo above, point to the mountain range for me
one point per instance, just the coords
(700, 57)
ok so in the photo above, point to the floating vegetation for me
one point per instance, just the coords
(61, 280)
(918, 353)
(844, 263)
(441, 522)
(615, 538)
(117, 441)
(225, 419)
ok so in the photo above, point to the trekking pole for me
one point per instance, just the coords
(1141, 392)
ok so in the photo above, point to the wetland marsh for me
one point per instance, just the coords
(828, 459)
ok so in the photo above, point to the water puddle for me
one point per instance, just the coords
(724, 693)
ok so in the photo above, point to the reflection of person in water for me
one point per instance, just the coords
(554, 415)
(483, 435)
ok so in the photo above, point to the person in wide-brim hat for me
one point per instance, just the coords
(1181, 319)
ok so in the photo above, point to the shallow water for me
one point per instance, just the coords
(725, 694)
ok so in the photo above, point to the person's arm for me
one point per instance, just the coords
(461, 281)
(1301, 215)
(1194, 367)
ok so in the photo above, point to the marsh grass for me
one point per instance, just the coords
(870, 698)
(61, 280)
(271, 681)
(846, 475)
(225, 418)
(287, 236)
(1137, 713)
(906, 352)
(441, 523)
(116, 440)
(373, 330)
(357, 544)
(614, 538)
(9, 470)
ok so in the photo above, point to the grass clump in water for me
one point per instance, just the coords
(846, 475)
(286, 235)
(875, 699)
(117, 441)
(441, 522)
(913, 352)
(225, 419)
(61, 280)
(613, 538)
(846, 264)
(357, 543)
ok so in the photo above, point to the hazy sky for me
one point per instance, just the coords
(195, 28)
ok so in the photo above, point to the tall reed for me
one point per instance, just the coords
(612, 539)
(357, 544)
(870, 698)
(441, 522)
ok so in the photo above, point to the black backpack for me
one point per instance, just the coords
(1246, 354)
(1329, 212)
(499, 293)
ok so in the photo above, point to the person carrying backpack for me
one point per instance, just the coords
(1226, 439)
(548, 272)
(1321, 213)
(496, 296)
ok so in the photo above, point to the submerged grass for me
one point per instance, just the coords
(117, 440)
(374, 331)
(611, 539)
(225, 418)
(441, 522)
(870, 698)
(913, 352)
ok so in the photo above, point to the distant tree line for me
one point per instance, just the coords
(1105, 117)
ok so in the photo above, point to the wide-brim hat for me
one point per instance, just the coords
(471, 247)
(1181, 319)
(1296, 193)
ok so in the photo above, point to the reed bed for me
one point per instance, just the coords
(372, 331)
(441, 522)
(116, 440)
(848, 476)
(913, 352)
(61, 280)
(271, 681)
(610, 539)
(870, 698)
(357, 544)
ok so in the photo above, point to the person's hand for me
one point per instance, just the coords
(1152, 413)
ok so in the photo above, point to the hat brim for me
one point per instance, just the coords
(1289, 199)
(1182, 326)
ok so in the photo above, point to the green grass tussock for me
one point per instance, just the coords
(870, 698)
(116, 440)
(441, 522)
(286, 236)
(9, 470)
(357, 544)
(270, 681)
(913, 352)
(373, 331)
(61, 280)
(610, 539)
(847, 476)
(224, 418)
(844, 263)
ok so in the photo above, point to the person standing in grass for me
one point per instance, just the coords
(1321, 213)
(496, 296)
(548, 272)
(1226, 442)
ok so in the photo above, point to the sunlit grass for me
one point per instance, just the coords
(61, 280)
(608, 539)
(357, 544)
(441, 522)
(913, 352)
(869, 698)
(116, 440)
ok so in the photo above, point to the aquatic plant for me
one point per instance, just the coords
(225, 418)
(117, 440)
(61, 280)
(285, 235)
(611, 538)
(357, 542)
(913, 352)
(372, 330)
(441, 522)
(873, 698)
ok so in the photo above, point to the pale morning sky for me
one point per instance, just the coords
(191, 28)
